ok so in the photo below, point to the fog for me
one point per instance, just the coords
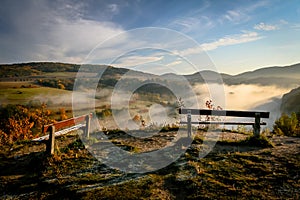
(246, 97)
(234, 97)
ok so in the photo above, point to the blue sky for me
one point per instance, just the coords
(235, 36)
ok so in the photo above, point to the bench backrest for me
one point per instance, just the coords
(231, 113)
(67, 123)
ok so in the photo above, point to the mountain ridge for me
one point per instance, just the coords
(277, 75)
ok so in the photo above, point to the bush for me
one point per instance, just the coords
(20, 122)
(287, 125)
(261, 141)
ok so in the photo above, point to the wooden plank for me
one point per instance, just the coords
(231, 113)
(224, 123)
(66, 123)
(58, 133)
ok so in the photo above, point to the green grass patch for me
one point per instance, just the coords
(25, 95)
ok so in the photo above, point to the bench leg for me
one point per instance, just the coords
(189, 123)
(51, 141)
(256, 126)
(87, 126)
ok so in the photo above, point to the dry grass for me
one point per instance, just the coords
(264, 173)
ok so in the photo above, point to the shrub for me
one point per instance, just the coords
(261, 141)
(20, 122)
(62, 113)
(287, 125)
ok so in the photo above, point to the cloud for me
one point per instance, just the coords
(265, 27)
(283, 22)
(129, 61)
(194, 20)
(225, 41)
(242, 13)
(236, 16)
(113, 8)
(232, 40)
(296, 26)
(177, 62)
(50, 31)
(194, 23)
(80, 37)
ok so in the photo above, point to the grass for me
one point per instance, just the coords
(75, 174)
(24, 95)
(60, 74)
(261, 141)
(6, 85)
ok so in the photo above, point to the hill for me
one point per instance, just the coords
(290, 101)
(287, 76)
(280, 76)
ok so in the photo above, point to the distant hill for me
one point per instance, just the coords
(281, 76)
(287, 71)
(287, 76)
(35, 68)
(206, 76)
(291, 101)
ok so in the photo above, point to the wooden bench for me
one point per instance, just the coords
(229, 113)
(64, 127)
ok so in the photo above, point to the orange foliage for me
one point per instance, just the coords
(136, 118)
(21, 123)
(63, 115)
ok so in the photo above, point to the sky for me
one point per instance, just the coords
(155, 36)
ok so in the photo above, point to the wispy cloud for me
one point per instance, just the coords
(242, 14)
(193, 20)
(192, 24)
(265, 27)
(130, 61)
(222, 42)
(296, 26)
(235, 16)
(113, 8)
(258, 4)
(232, 40)
(177, 62)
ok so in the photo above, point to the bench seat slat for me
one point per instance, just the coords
(58, 133)
(224, 123)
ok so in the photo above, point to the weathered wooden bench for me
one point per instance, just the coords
(257, 115)
(64, 127)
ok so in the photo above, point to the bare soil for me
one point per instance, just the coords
(229, 171)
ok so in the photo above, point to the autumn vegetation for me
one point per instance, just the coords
(25, 122)
(288, 125)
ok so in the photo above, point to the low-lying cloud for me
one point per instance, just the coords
(247, 97)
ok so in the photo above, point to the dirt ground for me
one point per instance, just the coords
(229, 171)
